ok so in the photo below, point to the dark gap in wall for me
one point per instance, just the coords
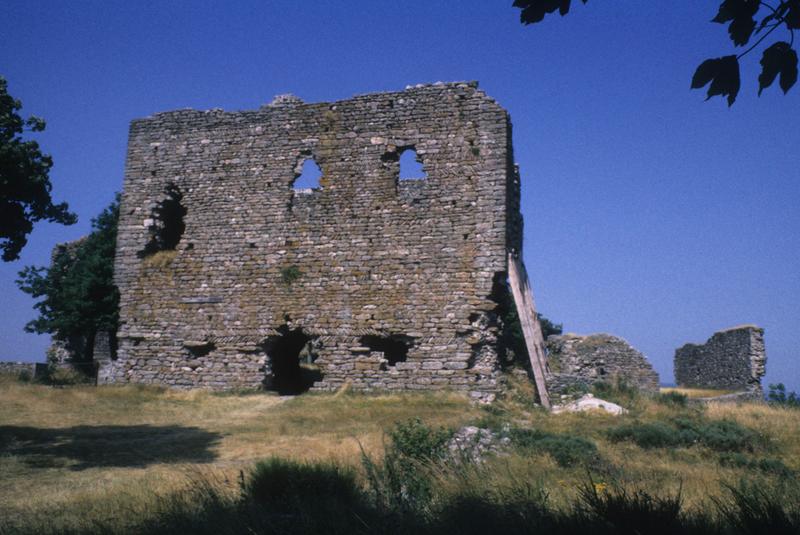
(394, 346)
(511, 348)
(411, 165)
(291, 356)
(473, 356)
(168, 225)
(201, 350)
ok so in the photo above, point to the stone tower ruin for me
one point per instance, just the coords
(230, 277)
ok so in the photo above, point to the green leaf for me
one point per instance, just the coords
(788, 70)
(704, 73)
(24, 173)
(793, 16)
(740, 13)
(723, 75)
(778, 59)
(534, 11)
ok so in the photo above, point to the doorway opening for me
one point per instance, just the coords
(291, 356)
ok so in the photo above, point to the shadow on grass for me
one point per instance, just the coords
(82, 447)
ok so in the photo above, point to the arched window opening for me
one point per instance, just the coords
(291, 357)
(411, 165)
(308, 176)
(166, 225)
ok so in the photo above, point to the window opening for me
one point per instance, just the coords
(291, 356)
(393, 347)
(309, 176)
(167, 226)
(411, 165)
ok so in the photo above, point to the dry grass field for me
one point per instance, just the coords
(694, 393)
(96, 451)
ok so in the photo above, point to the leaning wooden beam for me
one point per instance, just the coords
(526, 310)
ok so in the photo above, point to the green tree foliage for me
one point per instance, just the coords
(79, 296)
(24, 179)
(778, 396)
(512, 336)
(746, 20)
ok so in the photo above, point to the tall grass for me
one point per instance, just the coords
(278, 496)
(117, 460)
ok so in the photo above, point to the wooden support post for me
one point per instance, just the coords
(526, 310)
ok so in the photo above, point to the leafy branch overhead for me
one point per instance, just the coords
(747, 20)
(24, 179)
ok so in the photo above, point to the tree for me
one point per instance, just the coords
(511, 335)
(721, 75)
(24, 179)
(79, 296)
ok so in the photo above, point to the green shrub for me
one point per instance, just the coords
(518, 510)
(726, 435)
(653, 435)
(287, 483)
(634, 512)
(415, 440)
(619, 391)
(755, 508)
(66, 376)
(767, 465)
(777, 396)
(566, 450)
(722, 435)
(674, 399)
(290, 274)
(402, 480)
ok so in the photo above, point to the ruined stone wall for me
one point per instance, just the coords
(576, 360)
(731, 359)
(366, 254)
(18, 369)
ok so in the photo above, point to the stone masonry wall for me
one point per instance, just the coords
(731, 359)
(18, 369)
(365, 254)
(583, 360)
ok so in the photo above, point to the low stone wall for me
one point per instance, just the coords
(732, 359)
(18, 369)
(576, 361)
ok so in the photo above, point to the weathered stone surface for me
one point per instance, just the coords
(732, 359)
(589, 403)
(416, 262)
(474, 444)
(574, 359)
(18, 369)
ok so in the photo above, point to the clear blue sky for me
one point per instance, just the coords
(649, 213)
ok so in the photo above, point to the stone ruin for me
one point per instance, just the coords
(732, 359)
(231, 276)
(577, 362)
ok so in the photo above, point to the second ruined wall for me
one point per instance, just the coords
(372, 255)
(731, 359)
